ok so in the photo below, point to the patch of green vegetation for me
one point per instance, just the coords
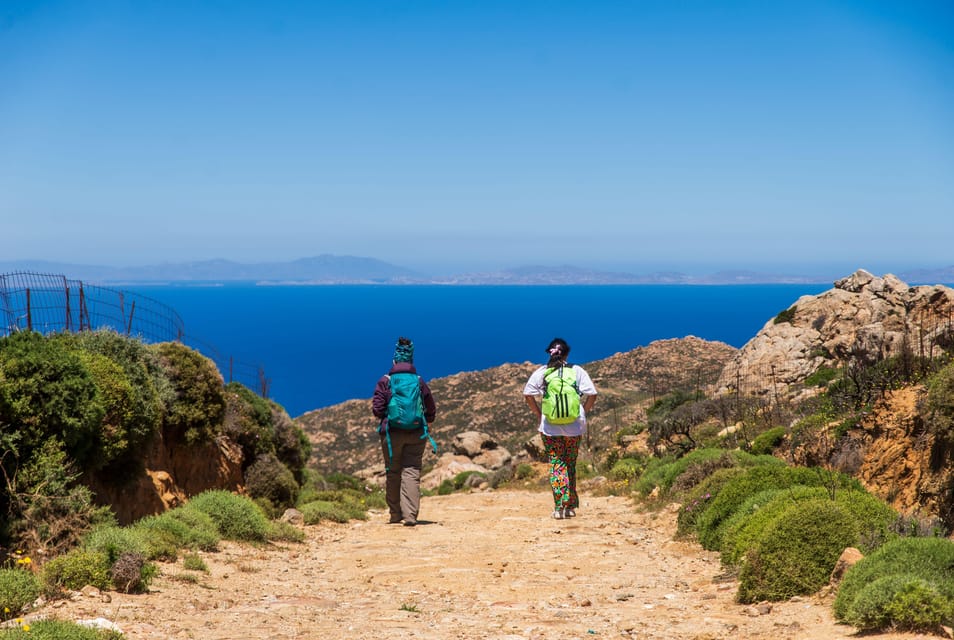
(907, 584)
(236, 517)
(57, 630)
(18, 588)
(788, 315)
(767, 441)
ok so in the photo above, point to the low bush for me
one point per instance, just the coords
(319, 510)
(18, 588)
(797, 552)
(767, 441)
(268, 478)
(697, 499)
(132, 573)
(114, 541)
(76, 569)
(627, 469)
(197, 411)
(235, 517)
(460, 481)
(907, 584)
(184, 527)
(58, 630)
(709, 525)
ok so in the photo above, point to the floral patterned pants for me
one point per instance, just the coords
(563, 451)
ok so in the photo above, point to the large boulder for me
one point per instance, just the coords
(862, 316)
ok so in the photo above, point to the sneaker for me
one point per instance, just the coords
(558, 514)
(410, 523)
(569, 513)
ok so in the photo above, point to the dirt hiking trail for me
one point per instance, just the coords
(480, 565)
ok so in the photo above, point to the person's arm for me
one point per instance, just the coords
(382, 395)
(588, 402)
(430, 407)
(534, 406)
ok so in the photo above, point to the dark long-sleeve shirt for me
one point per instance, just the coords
(382, 394)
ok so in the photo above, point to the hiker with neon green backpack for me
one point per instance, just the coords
(565, 394)
(404, 405)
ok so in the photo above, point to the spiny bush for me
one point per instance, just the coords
(47, 507)
(236, 517)
(18, 588)
(58, 630)
(906, 584)
(131, 573)
(797, 552)
(709, 525)
(74, 570)
(198, 408)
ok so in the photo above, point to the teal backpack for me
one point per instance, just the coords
(406, 407)
(561, 395)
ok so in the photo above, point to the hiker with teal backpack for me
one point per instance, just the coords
(404, 405)
(565, 394)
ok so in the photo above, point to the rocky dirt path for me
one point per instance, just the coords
(480, 565)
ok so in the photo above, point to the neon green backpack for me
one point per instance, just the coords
(561, 395)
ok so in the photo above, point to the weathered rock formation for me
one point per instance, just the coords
(863, 315)
(170, 475)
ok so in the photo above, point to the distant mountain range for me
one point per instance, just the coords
(332, 269)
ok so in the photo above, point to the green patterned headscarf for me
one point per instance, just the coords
(404, 350)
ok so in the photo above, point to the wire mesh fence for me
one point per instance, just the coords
(49, 303)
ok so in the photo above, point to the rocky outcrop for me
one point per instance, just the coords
(863, 315)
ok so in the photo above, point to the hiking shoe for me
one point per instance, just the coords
(569, 513)
(409, 522)
(395, 520)
(558, 514)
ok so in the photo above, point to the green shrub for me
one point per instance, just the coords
(284, 532)
(76, 569)
(46, 392)
(18, 588)
(114, 541)
(292, 445)
(198, 406)
(235, 517)
(248, 422)
(821, 377)
(788, 315)
(697, 499)
(907, 583)
(116, 394)
(627, 469)
(749, 521)
(797, 552)
(709, 525)
(194, 562)
(268, 478)
(939, 404)
(184, 527)
(524, 471)
(747, 526)
(319, 510)
(767, 441)
(58, 630)
(463, 479)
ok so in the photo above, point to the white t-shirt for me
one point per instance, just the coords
(536, 386)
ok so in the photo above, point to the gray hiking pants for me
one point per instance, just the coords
(403, 486)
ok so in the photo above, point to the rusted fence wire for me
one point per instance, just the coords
(49, 303)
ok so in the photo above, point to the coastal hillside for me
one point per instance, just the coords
(491, 401)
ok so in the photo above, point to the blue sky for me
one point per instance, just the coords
(689, 135)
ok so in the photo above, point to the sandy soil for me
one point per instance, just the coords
(480, 565)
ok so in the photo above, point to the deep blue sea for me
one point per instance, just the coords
(321, 345)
